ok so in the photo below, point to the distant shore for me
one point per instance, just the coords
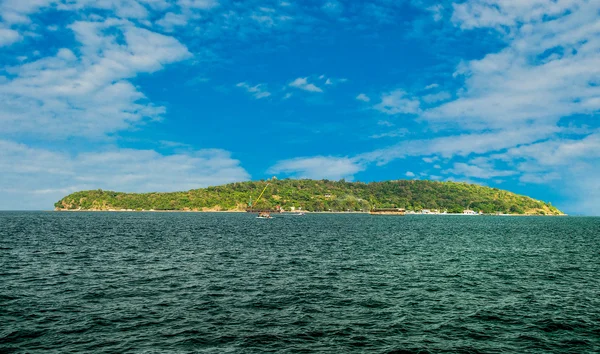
(285, 212)
(325, 195)
(149, 211)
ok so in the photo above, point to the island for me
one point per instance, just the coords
(414, 196)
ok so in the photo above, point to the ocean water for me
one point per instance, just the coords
(231, 283)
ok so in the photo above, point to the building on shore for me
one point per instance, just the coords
(387, 211)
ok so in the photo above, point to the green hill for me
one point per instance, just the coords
(318, 195)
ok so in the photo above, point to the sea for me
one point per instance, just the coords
(119, 282)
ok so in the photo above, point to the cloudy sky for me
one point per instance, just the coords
(157, 95)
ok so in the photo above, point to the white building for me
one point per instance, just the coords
(469, 212)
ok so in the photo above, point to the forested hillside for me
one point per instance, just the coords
(318, 195)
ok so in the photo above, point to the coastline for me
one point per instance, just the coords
(283, 213)
(147, 211)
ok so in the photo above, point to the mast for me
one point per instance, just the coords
(253, 204)
(261, 193)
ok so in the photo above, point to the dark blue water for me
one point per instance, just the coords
(195, 282)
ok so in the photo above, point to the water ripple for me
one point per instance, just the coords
(219, 283)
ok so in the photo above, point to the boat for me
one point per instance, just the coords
(264, 215)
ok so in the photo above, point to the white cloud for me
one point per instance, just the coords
(569, 165)
(269, 17)
(87, 94)
(542, 75)
(319, 167)
(391, 134)
(385, 123)
(332, 8)
(559, 152)
(303, 84)
(8, 37)
(540, 178)
(17, 11)
(436, 97)
(171, 20)
(458, 145)
(396, 102)
(437, 12)
(480, 172)
(198, 4)
(465, 145)
(410, 174)
(36, 178)
(432, 86)
(363, 97)
(258, 91)
(173, 144)
(496, 13)
(332, 81)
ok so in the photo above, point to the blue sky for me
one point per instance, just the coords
(156, 95)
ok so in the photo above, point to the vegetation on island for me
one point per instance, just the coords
(318, 195)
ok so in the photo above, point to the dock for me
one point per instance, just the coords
(387, 211)
(263, 210)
